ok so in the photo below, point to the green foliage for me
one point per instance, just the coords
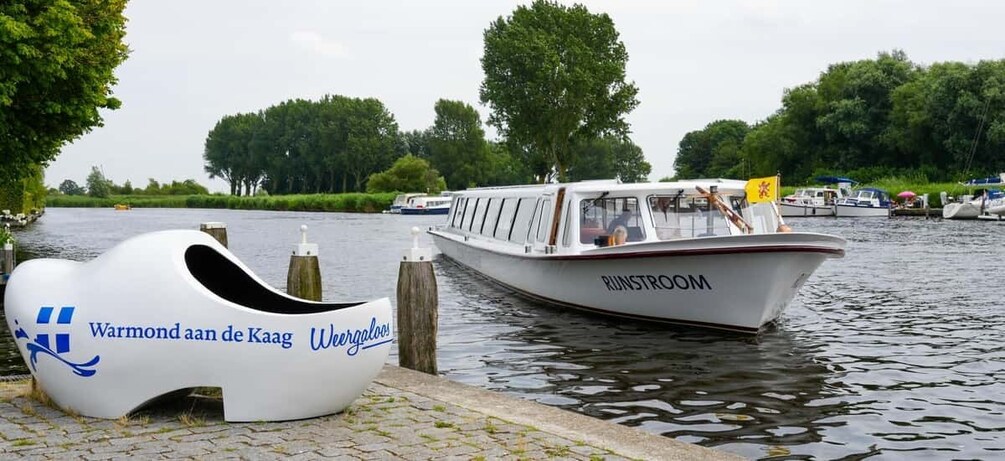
(554, 74)
(56, 70)
(713, 151)
(297, 146)
(457, 145)
(608, 158)
(353, 202)
(408, 174)
(70, 187)
(97, 185)
(870, 119)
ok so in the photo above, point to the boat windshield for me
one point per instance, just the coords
(676, 216)
(602, 216)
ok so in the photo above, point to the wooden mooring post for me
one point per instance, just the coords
(417, 306)
(216, 229)
(304, 278)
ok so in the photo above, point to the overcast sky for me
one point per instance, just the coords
(194, 61)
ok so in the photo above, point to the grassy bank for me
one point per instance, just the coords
(353, 203)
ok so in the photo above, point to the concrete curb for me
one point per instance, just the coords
(622, 440)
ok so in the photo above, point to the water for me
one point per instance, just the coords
(895, 351)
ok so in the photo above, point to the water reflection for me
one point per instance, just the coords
(698, 386)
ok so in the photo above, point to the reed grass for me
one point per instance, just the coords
(351, 202)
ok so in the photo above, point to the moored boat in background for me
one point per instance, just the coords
(427, 204)
(815, 201)
(690, 252)
(865, 202)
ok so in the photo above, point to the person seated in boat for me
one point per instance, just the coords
(619, 236)
(621, 220)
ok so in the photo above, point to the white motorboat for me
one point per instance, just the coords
(815, 201)
(427, 204)
(865, 202)
(809, 201)
(400, 201)
(657, 251)
(987, 200)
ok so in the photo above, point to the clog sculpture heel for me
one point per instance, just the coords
(173, 310)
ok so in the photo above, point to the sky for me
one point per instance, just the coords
(694, 62)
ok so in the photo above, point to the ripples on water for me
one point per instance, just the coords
(894, 351)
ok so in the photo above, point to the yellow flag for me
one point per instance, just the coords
(762, 190)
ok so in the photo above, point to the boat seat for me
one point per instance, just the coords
(588, 234)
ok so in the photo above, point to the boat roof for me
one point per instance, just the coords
(994, 180)
(834, 180)
(586, 187)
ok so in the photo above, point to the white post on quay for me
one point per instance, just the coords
(417, 308)
(304, 277)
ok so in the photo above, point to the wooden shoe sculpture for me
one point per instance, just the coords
(173, 310)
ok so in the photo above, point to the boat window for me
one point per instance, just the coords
(566, 235)
(505, 223)
(676, 216)
(461, 204)
(491, 216)
(521, 223)
(469, 214)
(600, 216)
(544, 212)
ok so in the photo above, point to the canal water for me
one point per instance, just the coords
(897, 350)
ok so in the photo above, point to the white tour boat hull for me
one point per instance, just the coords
(845, 211)
(793, 210)
(722, 282)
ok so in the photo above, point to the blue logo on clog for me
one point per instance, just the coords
(43, 344)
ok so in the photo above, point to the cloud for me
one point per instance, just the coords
(313, 41)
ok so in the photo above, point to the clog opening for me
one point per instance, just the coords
(228, 281)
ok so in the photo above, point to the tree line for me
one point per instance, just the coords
(867, 119)
(554, 83)
(97, 185)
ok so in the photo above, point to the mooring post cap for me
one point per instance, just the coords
(416, 254)
(303, 248)
(213, 225)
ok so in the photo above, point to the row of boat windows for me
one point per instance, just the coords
(497, 217)
(521, 220)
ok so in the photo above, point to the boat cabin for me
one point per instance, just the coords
(569, 218)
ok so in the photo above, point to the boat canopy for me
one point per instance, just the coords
(991, 181)
(834, 180)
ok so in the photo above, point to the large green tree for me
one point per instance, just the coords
(607, 158)
(56, 70)
(407, 174)
(457, 146)
(553, 74)
(712, 151)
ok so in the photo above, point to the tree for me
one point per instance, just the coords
(457, 146)
(97, 185)
(711, 151)
(70, 187)
(553, 74)
(629, 163)
(56, 70)
(407, 174)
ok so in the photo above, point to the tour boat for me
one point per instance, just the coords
(427, 204)
(400, 201)
(865, 202)
(691, 252)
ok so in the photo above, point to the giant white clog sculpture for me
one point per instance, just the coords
(172, 310)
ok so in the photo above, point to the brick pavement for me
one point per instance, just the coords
(403, 415)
